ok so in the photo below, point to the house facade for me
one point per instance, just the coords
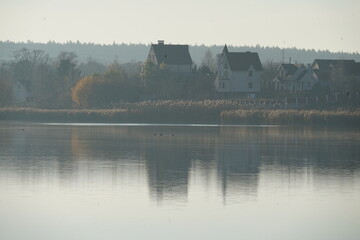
(293, 78)
(285, 71)
(238, 72)
(174, 58)
(304, 79)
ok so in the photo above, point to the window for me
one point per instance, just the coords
(309, 84)
(250, 73)
(219, 84)
(250, 85)
(223, 85)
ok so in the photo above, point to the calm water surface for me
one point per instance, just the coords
(68, 181)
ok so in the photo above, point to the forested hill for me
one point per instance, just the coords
(137, 52)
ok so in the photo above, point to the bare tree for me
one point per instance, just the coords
(208, 61)
(269, 73)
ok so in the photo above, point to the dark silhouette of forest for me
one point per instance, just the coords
(135, 52)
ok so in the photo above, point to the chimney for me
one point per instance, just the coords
(161, 42)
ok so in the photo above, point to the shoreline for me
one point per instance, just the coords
(190, 115)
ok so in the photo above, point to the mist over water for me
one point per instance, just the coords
(69, 181)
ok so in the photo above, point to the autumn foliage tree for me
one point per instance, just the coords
(105, 90)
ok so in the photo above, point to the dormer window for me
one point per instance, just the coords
(250, 73)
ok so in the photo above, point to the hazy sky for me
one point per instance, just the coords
(318, 24)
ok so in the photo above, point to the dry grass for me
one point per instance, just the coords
(338, 117)
(67, 115)
(207, 111)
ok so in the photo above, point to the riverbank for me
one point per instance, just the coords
(219, 112)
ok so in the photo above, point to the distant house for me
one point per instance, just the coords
(175, 58)
(285, 71)
(303, 79)
(294, 78)
(238, 72)
(347, 67)
(335, 74)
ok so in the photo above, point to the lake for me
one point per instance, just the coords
(138, 181)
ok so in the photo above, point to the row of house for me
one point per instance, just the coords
(237, 71)
(241, 72)
(322, 72)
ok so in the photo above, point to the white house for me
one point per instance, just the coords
(304, 79)
(175, 58)
(238, 72)
(295, 78)
(284, 73)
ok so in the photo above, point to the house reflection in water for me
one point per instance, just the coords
(238, 170)
(224, 160)
(168, 168)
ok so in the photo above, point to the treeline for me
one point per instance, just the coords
(116, 86)
(123, 53)
(34, 79)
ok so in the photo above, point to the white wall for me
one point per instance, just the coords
(308, 81)
(239, 82)
(236, 81)
(151, 57)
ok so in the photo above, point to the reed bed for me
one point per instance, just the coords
(65, 115)
(313, 117)
(206, 111)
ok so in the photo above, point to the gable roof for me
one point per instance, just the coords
(289, 68)
(348, 67)
(301, 75)
(241, 61)
(172, 54)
